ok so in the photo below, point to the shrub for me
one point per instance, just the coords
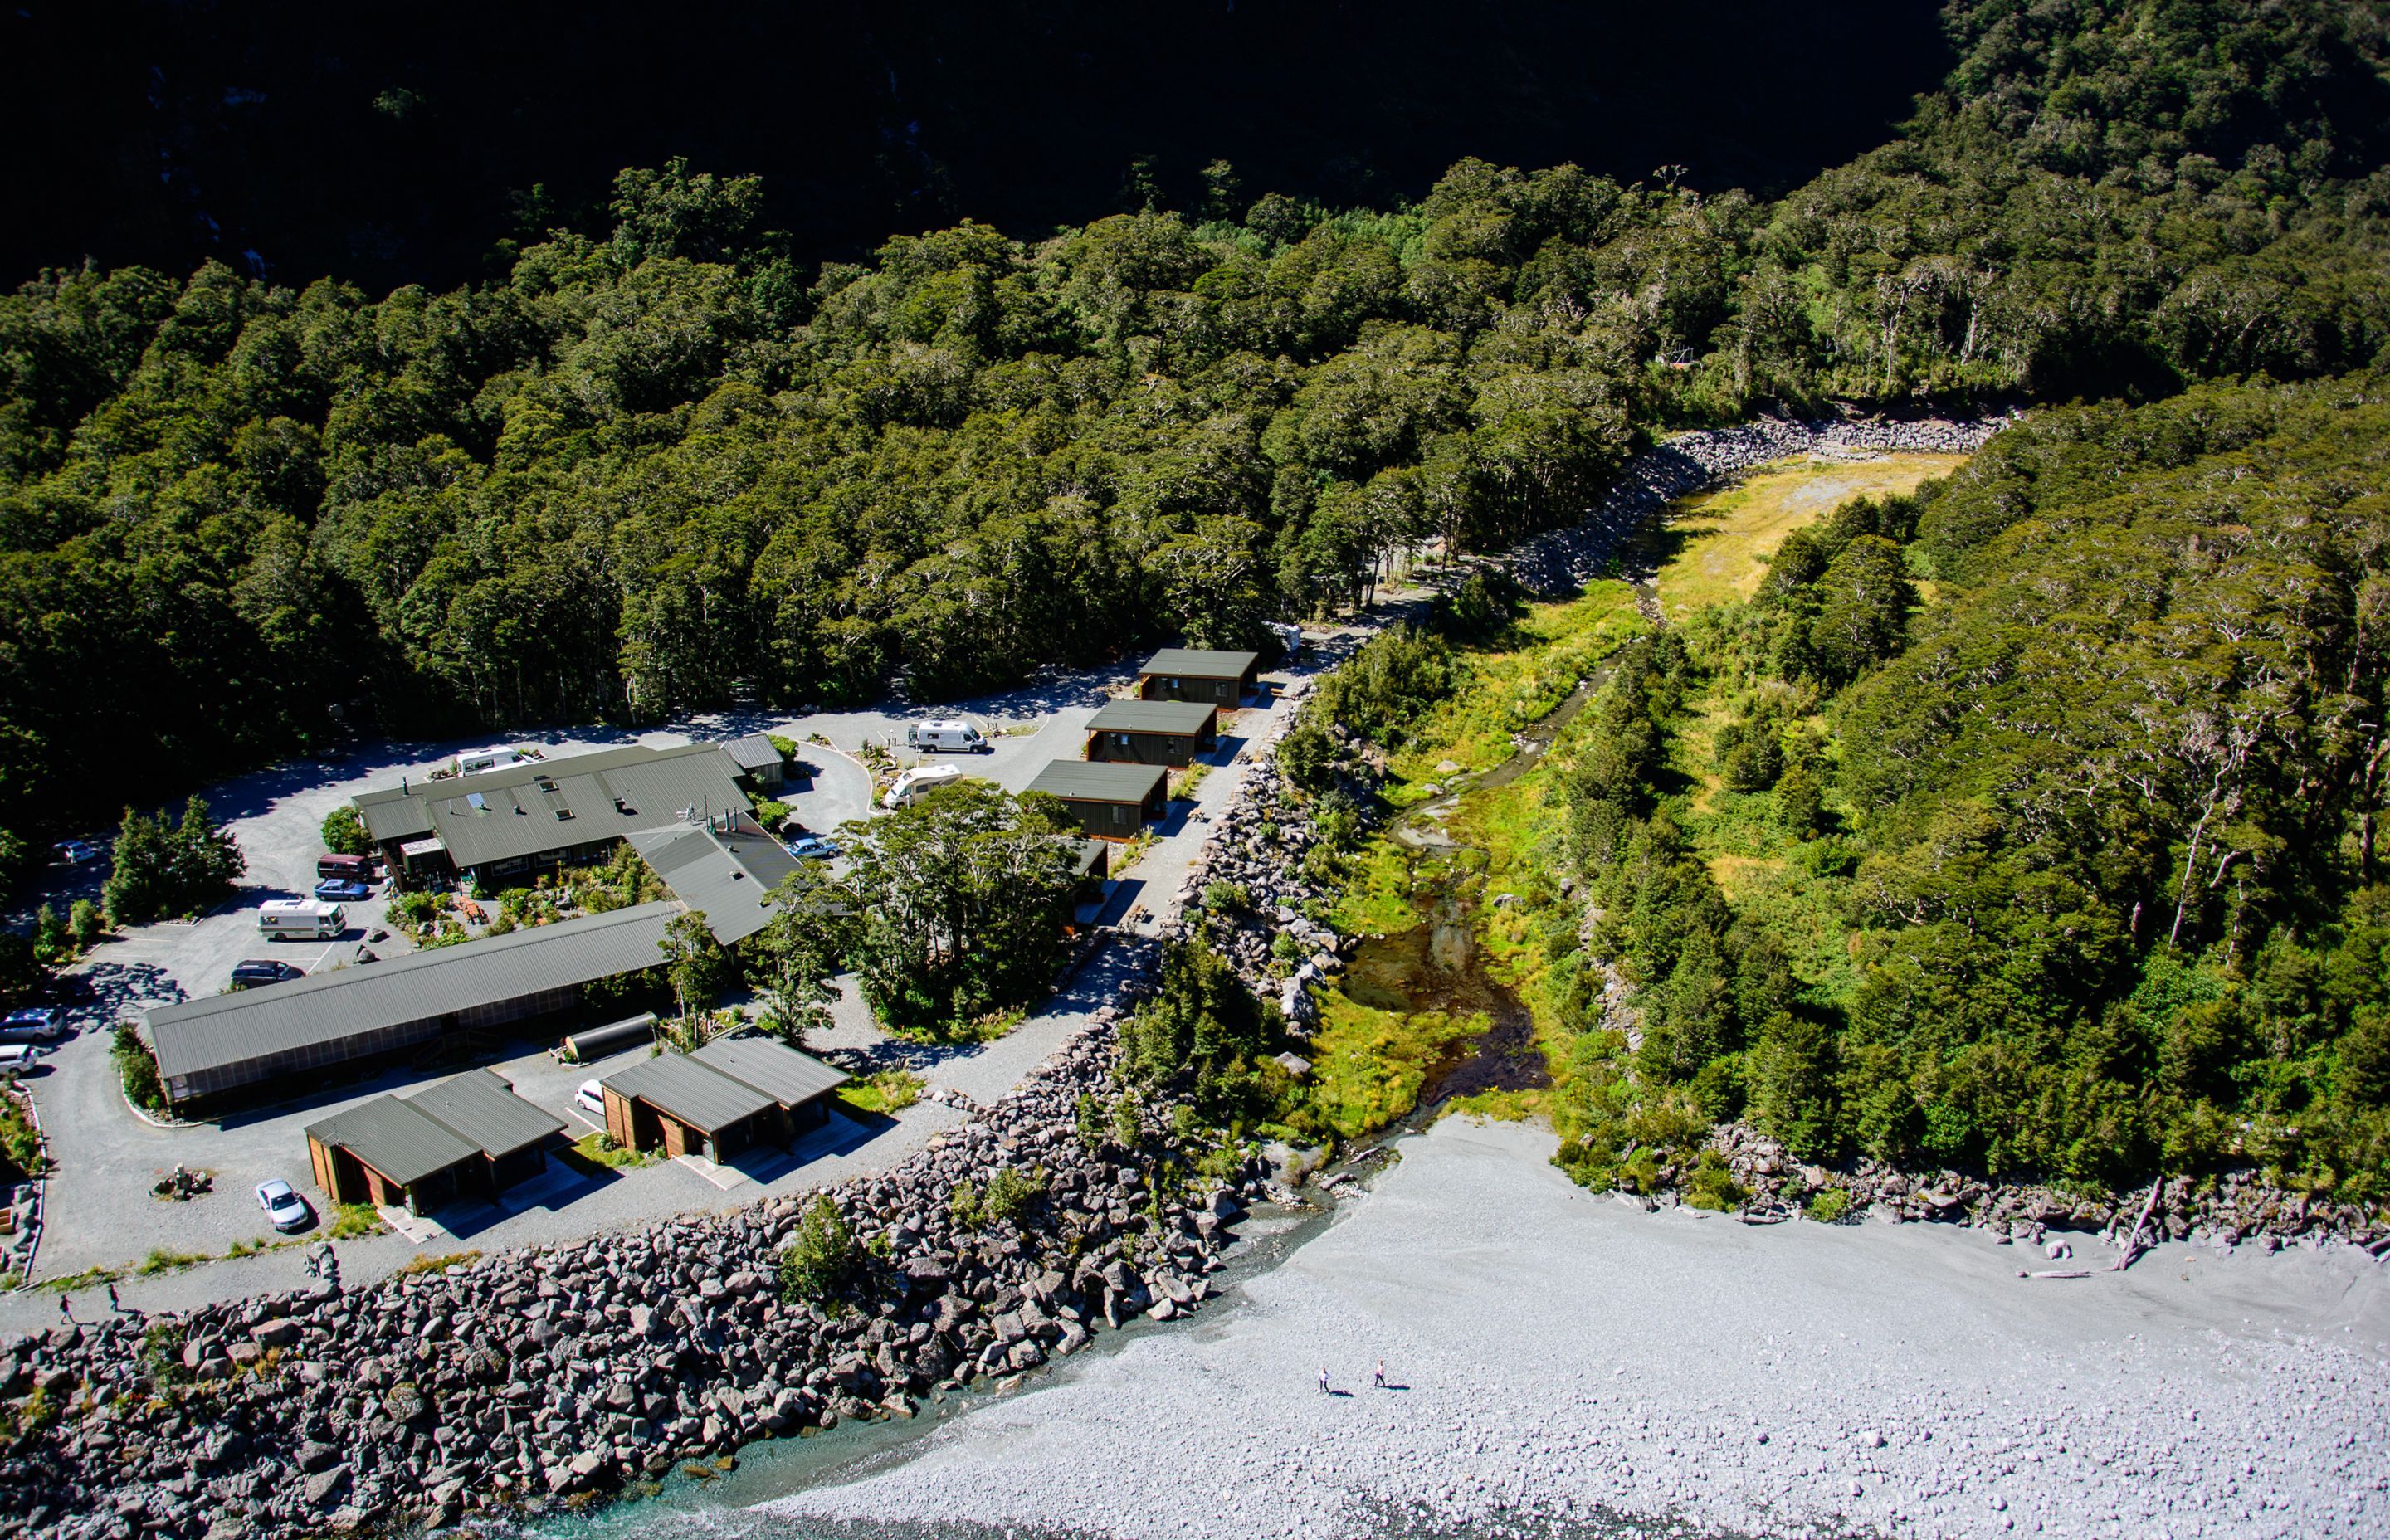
(823, 1258)
(137, 1068)
(20, 1143)
(1829, 1205)
(1712, 1186)
(344, 832)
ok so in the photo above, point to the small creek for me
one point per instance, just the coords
(1438, 965)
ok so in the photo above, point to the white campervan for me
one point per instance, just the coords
(300, 919)
(481, 760)
(949, 734)
(917, 782)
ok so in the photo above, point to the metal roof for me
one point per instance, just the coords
(553, 804)
(1189, 718)
(755, 751)
(397, 1138)
(726, 874)
(220, 1030)
(1097, 781)
(1187, 662)
(480, 1107)
(697, 1094)
(779, 1072)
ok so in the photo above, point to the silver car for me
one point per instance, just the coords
(288, 1210)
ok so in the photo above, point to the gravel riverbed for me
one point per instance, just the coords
(1555, 1355)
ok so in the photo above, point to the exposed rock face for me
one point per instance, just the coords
(525, 1378)
(1564, 561)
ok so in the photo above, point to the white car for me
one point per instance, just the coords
(591, 1099)
(288, 1210)
(19, 1056)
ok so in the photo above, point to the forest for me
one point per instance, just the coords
(2069, 771)
(655, 464)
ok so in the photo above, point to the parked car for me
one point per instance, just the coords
(33, 1024)
(341, 890)
(252, 971)
(77, 852)
(19, 1056)
(949, 734)
(591, 1099)
(286, 1209)
(813, 847)
(917, 782)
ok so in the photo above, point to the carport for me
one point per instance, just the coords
(1152, 732)
(1110, 801)
(470, 1135)
(687, 1108)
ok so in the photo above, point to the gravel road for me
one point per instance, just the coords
(1555, 1353)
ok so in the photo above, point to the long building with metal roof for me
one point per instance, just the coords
(504, 822)
(226, 1043)
(1152, 732)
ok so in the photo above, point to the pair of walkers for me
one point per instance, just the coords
(1376, 1379)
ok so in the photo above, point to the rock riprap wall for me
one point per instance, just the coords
(522, 1379)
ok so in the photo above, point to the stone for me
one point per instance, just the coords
(326, 1487)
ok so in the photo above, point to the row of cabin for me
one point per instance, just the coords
(1123, 784)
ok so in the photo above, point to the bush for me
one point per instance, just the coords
(20, 1144)
(1712, 1186)
(1306, 756)
(1829, 1205)
(818, 1265)
(344, 832)
(137, 1068)
(1006, 1199)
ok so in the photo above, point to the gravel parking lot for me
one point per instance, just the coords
(102, 1214)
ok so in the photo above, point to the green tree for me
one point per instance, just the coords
(792, 961)
(696, 964)
(962, 896)
(344, 832)
(819, 1263)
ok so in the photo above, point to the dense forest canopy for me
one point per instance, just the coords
(400, 145)
(2080, 855)
(656, 464)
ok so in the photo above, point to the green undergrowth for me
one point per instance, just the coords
(1375, 899)
(1368, 1064)
(1517, 682)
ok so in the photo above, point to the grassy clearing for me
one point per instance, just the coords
(599, 1149)
(1376, 897)
(1511, 689)
(1367, 1065)
(889, 1091)
(439, 1263)
(1721, 542)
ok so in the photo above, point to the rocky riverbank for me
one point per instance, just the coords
(510, 1382)
(1562, 561)
(2223, 1210)
(1561, 1364)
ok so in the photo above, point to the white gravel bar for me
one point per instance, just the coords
(1561, 1355)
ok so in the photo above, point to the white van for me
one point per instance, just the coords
(917, 782)
(948, 735)
(483, 759)
(300, 919)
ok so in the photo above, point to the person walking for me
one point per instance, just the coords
(66, 1314)
(113, 1307)
(1379, 1378)
(1323, 1381)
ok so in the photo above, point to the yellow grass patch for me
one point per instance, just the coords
(1718, 543)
